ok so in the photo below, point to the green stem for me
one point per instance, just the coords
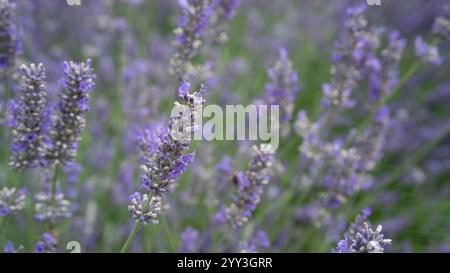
(130, 238)
(53, 190)
(54, 181)
(3, 224)
(169, 235)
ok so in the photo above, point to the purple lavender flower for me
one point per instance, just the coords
(224, 169)
(47, 244)
(354, 55)
(383, 81)
(189, 34)
(29, 117)
(9, 248)
(249, 189)
(189, 239)
(441, 28)
(145, 209)
(164, 160)
(365, 240)
(223, 13)
(360, 238)
(11, 200)
(427, 53)
(358, 223)
(47, 209)
(77, 84)
(282, 89)
(259, 241)
(9, 42)
(350, 167)
(167, 162)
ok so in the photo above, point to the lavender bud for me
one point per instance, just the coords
(145, 209)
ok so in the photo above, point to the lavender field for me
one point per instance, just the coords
(112, 137)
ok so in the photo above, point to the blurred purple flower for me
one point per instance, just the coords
(12, 200)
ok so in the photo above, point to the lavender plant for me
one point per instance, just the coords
(371, 126)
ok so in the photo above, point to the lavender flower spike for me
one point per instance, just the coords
(164, 160)
(11, 200)
(189, 34)
(77, 84)
(360, 238)
(29, 117)
(441, 28)
(282, 89)
(9, 248)
(250, 189)
(9, 45)
(427, 53)
(47, 244)
(354, 54)
(46, 209)
(224, 11)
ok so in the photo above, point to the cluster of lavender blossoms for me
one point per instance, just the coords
(441, 28)
(47, 244)
(12, 200)
(189, 36)
(9, 248)
(29, 119)
(352, 57)
(250, 187)
(77, 84)
(427, 53)
(282, 89)
(164, 158)
(48, 207)
(189, 240)
(9, 42)
(360, 238)
(339, 167)
(224, 11)
(43, 138)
